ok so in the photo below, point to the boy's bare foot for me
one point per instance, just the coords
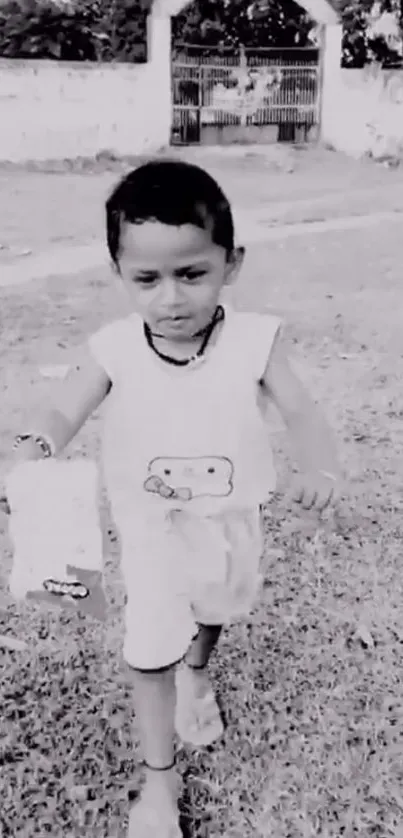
(198, 719)
(156, 814)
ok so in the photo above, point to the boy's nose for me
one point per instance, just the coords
(170, 292)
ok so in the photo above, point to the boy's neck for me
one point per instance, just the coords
(192, 338)
(182, 349)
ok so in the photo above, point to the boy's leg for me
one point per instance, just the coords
(202, 646)
(156, 814)
(198, 718)
(154, 698)
(159, 627)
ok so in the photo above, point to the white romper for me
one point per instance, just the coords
(187, 463)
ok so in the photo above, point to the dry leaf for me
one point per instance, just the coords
(55, 371)
(363, 635)
(7, 642)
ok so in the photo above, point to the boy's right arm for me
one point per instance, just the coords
(86, 386)
(75, 399)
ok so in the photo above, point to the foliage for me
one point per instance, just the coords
(359, 46)
(124, 30)
(91, 30)
(115, 30)
(230, 23)
(227, 23)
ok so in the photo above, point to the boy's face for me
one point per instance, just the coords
(174, 275)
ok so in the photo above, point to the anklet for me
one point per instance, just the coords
(157, 768)
(197, 666)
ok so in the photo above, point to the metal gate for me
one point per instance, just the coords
(257, 95)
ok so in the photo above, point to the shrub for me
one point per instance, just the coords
(89, 30)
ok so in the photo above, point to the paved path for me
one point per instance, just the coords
(70, 261)
(53, 224)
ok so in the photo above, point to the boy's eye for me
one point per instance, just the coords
(193, 275)
(149, 279)
(191, 272)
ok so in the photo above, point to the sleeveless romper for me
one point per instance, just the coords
(187, 462)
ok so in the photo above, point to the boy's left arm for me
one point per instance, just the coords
(311, 439)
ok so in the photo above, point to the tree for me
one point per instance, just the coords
(82, 30)
(229, 23)
(370, 26)
(123, 29)
(372, 32)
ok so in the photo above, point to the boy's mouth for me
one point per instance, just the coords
(165, 325)
(176, 321)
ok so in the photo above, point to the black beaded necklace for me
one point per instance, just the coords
(206, 333)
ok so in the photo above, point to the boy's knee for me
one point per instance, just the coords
(161, 670)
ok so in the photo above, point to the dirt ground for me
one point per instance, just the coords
(312, 685)
(272, 186)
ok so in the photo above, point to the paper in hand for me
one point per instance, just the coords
(56, 535)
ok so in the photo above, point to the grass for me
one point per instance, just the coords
(312, 683)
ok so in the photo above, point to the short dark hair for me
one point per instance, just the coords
(171, 192)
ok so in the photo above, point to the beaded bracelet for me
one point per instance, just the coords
(46, 446)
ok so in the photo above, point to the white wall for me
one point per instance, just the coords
(57, 110)
(367, 113)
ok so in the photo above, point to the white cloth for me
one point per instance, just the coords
(187, 437)
(56, 534)
(182, 570)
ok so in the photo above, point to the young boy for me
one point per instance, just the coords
(186, 452)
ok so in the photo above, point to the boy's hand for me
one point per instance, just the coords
(316, 491)
(313, 445)
(4, 505)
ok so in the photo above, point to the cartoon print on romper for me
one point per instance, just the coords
(185, 478)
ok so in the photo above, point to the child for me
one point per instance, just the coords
(186, 452)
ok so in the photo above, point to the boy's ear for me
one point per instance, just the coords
(234, 265)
